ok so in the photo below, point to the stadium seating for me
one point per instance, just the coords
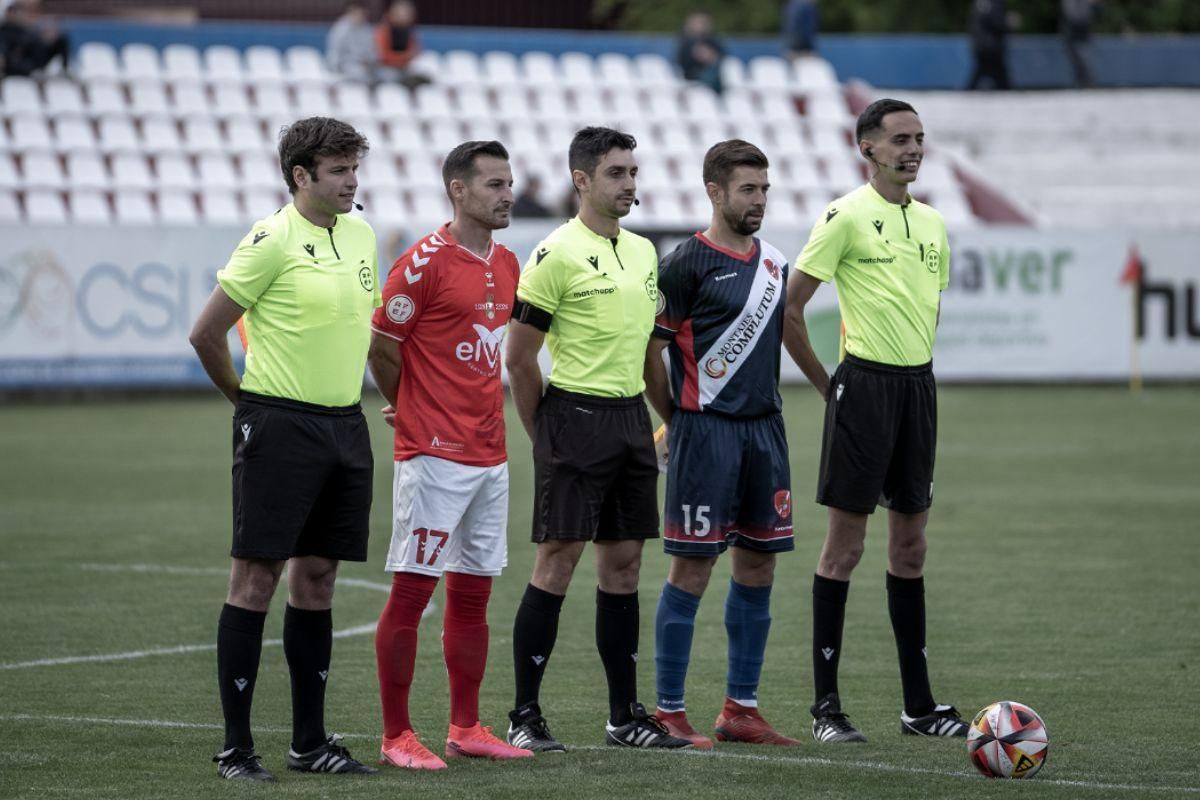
(144, 128)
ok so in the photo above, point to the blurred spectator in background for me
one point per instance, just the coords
(350, 45)
(396, 43)
(528, 204)
(1076, 27)
(989, 27)
(800, 24)
(699, 53)
(28, 42)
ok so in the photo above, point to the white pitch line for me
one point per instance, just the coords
(162, 651)
(806, 761)
(168, 569)
(879, 766)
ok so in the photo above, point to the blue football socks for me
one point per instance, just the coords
(747, 623)
(674, 624)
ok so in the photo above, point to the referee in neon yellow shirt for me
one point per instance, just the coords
(889, 258)
(589, 290)
(305, 282)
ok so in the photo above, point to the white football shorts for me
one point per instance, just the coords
(448, 516)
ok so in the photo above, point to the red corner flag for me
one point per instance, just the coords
(1133, 266)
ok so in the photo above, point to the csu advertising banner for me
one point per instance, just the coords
(102, 306)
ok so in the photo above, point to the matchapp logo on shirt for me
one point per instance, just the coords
(448, 308)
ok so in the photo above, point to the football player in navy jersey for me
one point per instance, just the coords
(720, 318)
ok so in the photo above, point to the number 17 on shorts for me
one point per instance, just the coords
(448, 516)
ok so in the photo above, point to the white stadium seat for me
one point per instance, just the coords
(177, 207)
(259, 203)
(271, 100)
(616, 69)
(131, 171)
(419, 172)
(89, 207)
(391, 102)
(98, 62)
(578, 69)
(353, 99)
(201, 135)
(10, 209)
(63, 97)
(427, 62)
(221, 207)
(378, 171)
(733, 73)
(45, 206)
(264, 65)
(190, 99)
(769, 72)
(148, 99)
(405, 133)
(181, 64)
(140, 62)
(117, 134)
(701, 104)
(243, 134)
(106, 98)
(223, 64)
(218, 171)
(472, 102)
(74, 134)
(174, 171)
(813, 73)
(312, 100)
(87, 171)
(10, 178)
(230, 100)
(655, 70)
(306, 65)
(385, 207)
(540, 68)
(20, 96)
(133, 207)
(500, 69)
(433, 102)
(443, 134)
(512, 102)
(459, 68)
(30, 134)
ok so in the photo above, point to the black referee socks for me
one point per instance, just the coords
(239, 646)
(534, 633)
(906, 606)
(617, 627)
(829, 617)
(307, 644)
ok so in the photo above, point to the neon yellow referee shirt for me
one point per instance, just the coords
(308, 293)
(890, 263)
(601, 294)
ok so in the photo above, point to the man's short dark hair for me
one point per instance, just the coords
(871, 119)
(306, 141)
(591, 144)
(724, 157)
(460, 162)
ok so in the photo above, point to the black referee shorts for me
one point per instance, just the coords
(301, 480)
(880, 437)
(594, 470)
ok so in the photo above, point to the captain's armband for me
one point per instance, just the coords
(532, 315)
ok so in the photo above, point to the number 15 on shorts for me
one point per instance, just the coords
(701, 522)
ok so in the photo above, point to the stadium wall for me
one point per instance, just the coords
(900, 61)
(80, 307)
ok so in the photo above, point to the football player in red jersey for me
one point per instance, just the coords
(435, 355)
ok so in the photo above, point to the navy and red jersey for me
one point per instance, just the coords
(722, 313)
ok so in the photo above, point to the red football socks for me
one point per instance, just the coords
(396, 646)
(465, 643)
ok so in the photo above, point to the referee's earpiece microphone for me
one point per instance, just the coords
(637, 202)
(358, 206)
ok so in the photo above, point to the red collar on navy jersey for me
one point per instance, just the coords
(731, 253)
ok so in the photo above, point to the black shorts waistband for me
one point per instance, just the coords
(594, 400)
(890, 369)
(287, 404)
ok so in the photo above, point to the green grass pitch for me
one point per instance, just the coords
(1064, 572)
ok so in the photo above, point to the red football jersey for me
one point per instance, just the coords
(447, 308)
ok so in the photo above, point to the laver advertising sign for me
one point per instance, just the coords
(102, 306)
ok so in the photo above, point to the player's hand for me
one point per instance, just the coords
(389, 415)
(660, 447)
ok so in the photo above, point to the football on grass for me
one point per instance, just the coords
(1008, 740)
